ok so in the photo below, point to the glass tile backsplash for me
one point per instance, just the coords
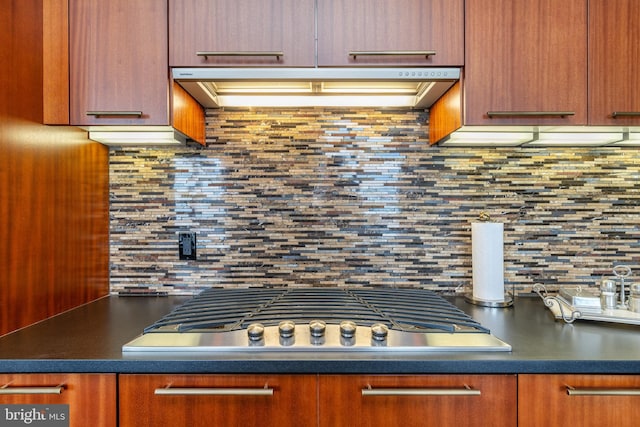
(357, 197)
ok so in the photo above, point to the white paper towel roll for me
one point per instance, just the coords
(487, 261)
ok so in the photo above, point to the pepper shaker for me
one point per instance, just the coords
(622, 271)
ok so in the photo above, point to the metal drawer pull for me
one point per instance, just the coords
(425, 53)
(625, 114)
(5, 390)
(466, 391)
(167, 391)
(206, 55)
(114, 113)
(603, 391)
(492, 114)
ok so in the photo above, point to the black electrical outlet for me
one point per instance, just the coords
(187, 245)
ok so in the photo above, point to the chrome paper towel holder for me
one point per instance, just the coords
(488, 265)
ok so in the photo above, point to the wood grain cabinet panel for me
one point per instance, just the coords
(91, 397)
(244, 27)
(118, 56)
(614, 62)
(579, 400)
(525, 56)
(417, 400)
(119, 71)
(390, 26)
(218, 400)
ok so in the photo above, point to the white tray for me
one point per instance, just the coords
(562, 309)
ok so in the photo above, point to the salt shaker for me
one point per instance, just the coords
(634, 297)
(622, 271)
(608, 294)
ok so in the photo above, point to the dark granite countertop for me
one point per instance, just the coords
(89, 339)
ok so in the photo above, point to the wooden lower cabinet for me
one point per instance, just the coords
(312, 400)
(218, 400)
(91, 397)
(417, 400)
(578, 400)
(374, 400)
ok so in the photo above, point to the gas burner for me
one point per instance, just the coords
(316, 319)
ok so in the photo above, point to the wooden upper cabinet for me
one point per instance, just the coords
(118, 62)
(417, 400)
(91, 397)
(241, 32)
(526, 56)
(614, 62)
(579, 400)
(347, 26)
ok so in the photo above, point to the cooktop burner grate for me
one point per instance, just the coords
(400, 309)
(296, 320)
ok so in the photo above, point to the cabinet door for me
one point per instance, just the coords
(406, 401)
(241, 32)
(91, 397)
(579, 400)
(118, 57)
(385, 28)
(218, 400)
(526, 57)
(614, 65)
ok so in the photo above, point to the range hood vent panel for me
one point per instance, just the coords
(354, 87)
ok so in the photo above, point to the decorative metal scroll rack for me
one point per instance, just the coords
(562, 309)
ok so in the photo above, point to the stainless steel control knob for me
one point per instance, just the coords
(286, 328)
(255, 331)
(379, 332)
(317, 328)
(347, 329)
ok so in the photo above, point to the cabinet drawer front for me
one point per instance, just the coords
(118, 62)
(241, 32)
(580, 400)
(614, 87)
(91, 397)
(522, 57)
(423, 400)
(390, 28)
(218, 400)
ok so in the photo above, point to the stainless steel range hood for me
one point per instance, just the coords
(328, 87)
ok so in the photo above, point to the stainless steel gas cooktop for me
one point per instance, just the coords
(316, 319)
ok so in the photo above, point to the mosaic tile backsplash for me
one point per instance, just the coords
(357, 197)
